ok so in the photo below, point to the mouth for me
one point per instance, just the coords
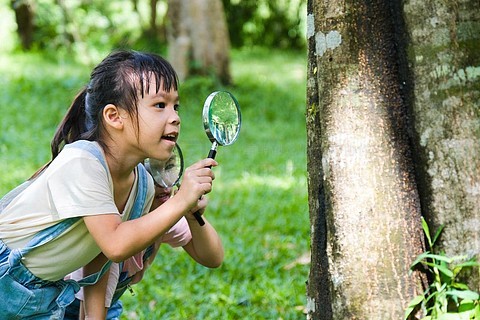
(171, 137)
(163, 195)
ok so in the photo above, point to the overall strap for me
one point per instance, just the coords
(141, 196)
(90, 147)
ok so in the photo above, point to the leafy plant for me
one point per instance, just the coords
(445, 298)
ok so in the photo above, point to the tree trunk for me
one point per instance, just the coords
(153, 17)
(24, 16)
(198, 38)
(445, 58)
(364, 205)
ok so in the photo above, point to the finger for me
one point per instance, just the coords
(206, 188)
(207, 162)
(201, 204)
(206, 172)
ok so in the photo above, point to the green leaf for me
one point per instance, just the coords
(419, 259)
(439, 257)
(466, 305)
(457, 258)
(464, 294)
(437, 234)
(461, 286)
(469, 263)
(442, 269)
(448, 316)
(455, 316)
(412, 305)
(427, 232)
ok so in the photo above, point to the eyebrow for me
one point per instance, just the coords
(160, 94)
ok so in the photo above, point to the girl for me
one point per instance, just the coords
(76, 210)
(107, 294)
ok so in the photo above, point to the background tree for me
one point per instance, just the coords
(198, 38)
(24, 16)
(444, 55)
(391, 87)
(274, 24)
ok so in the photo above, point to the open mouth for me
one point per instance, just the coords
(170, 137)
(163, 195)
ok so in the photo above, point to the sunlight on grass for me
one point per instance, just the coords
(253, 180)
(7, 29)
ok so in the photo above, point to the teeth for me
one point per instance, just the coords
(170, 136)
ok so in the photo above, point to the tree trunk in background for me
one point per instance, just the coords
(198, 38)
(24, 16)
(364, 205)
(445, 60)
(153, 17)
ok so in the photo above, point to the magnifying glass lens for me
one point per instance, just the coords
(222, 118)
(167, 173)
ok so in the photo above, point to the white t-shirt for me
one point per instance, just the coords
(75, 184)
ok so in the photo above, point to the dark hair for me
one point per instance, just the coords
(117, 80)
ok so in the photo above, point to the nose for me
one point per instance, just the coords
(174, 118)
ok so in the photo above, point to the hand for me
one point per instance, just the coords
(200, 208)
(197, 181)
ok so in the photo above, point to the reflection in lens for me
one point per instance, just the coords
(166, 173)
(224, 118)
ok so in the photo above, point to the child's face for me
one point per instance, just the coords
(159, 122)
(161, 196)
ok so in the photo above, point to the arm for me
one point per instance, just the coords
(205, 247)
(93, 306)
(120, 240)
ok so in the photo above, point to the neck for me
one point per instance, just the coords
(121, 163)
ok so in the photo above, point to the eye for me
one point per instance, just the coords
(176, 107)
(160, 105)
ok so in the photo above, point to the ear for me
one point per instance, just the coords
(113, 116)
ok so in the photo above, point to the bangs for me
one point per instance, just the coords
(148, 67)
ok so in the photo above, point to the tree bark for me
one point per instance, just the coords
(445, 57)
(153, 16)
(362, 191)
(24, 16)
(198, 38)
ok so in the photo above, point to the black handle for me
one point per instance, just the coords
(199, 218)
(211, 154)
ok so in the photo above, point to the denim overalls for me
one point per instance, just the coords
(25, 296)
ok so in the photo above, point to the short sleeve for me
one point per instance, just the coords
(79, 185)
(179, 235)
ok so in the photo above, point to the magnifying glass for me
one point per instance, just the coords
(222, 120)
(167, 173)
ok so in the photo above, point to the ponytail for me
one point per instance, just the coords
(72, 127)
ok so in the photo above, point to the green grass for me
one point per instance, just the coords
(259, 200)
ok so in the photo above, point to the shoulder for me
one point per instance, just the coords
(89, 149)
(79, 162)
(86, 152)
